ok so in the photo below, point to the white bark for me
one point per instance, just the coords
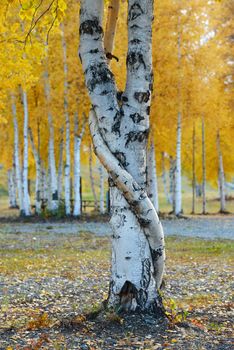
(164, 179)
(53, 185)
(178, 190)
(60, 167)
(77, 145)
(44, 181)
(172, 182)
(152, 176)
(120, 131)
(17, 161)
(221, 177)
(194, 170)
(26, 198)
(102, 194)
(38, 187)
(203, 169)
(67, 175)
(11, 189)
(91, 177)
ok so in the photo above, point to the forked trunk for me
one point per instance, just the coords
(119, 129)
(221, 177)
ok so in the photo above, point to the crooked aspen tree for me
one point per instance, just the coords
(53, 183)
(221, 176)
(38, 174)
(152, 182)
(77, 145)
(60, 166)
(26, 198)
(18, 173)
(67, 167)
(203, 168)
(178, 193)
(119, 125)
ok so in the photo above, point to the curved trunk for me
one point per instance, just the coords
(119, 130)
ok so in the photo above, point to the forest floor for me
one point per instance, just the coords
(52, 285)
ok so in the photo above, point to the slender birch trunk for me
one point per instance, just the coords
(178, 193)
(152, 182)
(119, 130)
(172, 182)
(221, 177)
(203, 169)
(92, 178)
(44, 184)
(67, 175)
(26, 198)
(11, 189)
(102, 195)
(194, 170)
(17, 161)
(164, 179)
(53, 183)
(60, 166)
(38, 189)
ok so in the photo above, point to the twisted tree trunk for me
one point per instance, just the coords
(119, 129)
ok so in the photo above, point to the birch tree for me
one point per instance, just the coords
(119, 125)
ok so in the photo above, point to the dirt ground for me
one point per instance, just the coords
(52, 286)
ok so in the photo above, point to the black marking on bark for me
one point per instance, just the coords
(135, 41)
(91, 27)
(139, 136)
(128, 257)
(134, 26)
(142, 96)
(80, 58)
(134, 11)
(94, 51)
(115, 236)
(102, 118)
(117, 122)
(135, 60)
(119, 95)
(144, 222)
(104, 93)
(148, 110)
(122, 159)
(55, 196)
(141, 298)
(142, 196)
(156, 254)
(136, 118)
(110, 56)
(100, 75)
(110, 108)
(146, 273)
